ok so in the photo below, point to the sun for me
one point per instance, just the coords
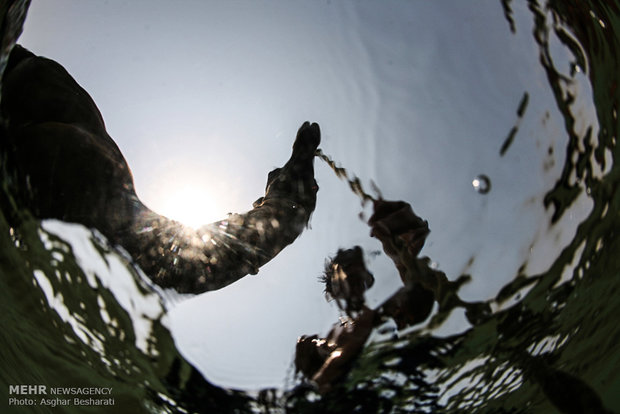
(190, 204)
(187, 195)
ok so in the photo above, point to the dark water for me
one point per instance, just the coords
(552, 343)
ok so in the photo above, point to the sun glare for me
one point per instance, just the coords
(191, 205)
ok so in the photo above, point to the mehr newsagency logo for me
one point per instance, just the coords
(42, 395)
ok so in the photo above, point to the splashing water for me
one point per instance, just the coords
(354, 182)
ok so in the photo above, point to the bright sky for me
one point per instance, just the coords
(204, 99)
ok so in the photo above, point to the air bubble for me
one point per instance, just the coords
(481, 184)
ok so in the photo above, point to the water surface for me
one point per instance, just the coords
(420, 98)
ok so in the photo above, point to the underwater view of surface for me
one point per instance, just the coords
(496, 120)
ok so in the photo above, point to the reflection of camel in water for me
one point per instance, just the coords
(67, 167)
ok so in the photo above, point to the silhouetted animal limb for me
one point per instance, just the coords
(65, 166)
